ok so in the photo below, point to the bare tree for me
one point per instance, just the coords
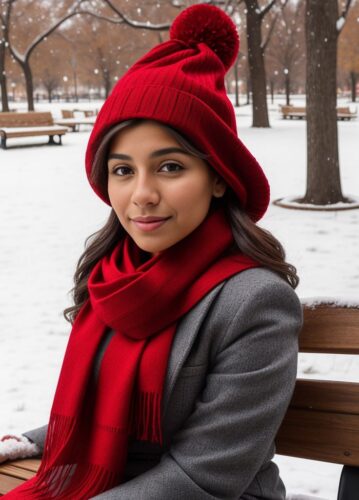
(5, 11)
(348, 53)
(256, 48)
(24, 58)
(51, 82)
(322, 27)
(286, 49)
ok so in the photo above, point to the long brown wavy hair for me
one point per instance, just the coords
(250, 239)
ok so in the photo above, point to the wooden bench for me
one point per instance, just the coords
(29, 124)
(322, 420)
(89, 112)
(70, 120)
(346, 114)
(293, 112)
(300, 112)
(14, 473)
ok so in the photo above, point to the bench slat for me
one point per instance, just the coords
(32, 132)
(75, 121)
(8, 483)
(12, 470)
(14, 473)
(330, 329)
(28, 119)
(300, 112)
(316, 435)
(326, 395)
(26, 464)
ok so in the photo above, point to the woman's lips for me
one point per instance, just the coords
(149, 226)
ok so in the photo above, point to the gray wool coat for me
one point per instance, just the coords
(231, 374)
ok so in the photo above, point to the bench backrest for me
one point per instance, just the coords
(302, 109)
(294, 109)
(67, 113)
(347, 111)
(29, 119)
(322, 421)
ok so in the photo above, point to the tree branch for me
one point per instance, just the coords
(21, 58)
(99, 16)
(269, 34)
(137, 24)
(266, 9)
(342, 18)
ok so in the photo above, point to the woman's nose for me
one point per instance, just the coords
(145, 191)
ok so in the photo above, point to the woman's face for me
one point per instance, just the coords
(150, 175)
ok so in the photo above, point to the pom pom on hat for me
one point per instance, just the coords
(210, 25)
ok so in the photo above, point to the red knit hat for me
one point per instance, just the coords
(181, 83)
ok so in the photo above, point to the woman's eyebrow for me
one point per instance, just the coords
(154, 154)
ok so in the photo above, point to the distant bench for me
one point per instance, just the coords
(29, 124)
(322, 419)
(70, 120)
(300, 112)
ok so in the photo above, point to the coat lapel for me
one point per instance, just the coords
(185, 335)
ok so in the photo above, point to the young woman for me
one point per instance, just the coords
(182, 358)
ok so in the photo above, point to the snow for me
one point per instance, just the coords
(353, 203)
(48, 209)
(313, 302)
(340, 23)
(46, 128)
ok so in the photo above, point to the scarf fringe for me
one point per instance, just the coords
(63, 482)
(145, 417)
(58, 479)
(59, 425)
(80, 480)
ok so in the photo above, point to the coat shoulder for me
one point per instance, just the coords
(256, 282)
(254, 279)
(254, 293)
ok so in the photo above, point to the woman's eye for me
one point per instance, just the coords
(171, 167)
(119, 170)
(174, 165)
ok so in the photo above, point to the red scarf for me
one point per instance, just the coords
(90, 422)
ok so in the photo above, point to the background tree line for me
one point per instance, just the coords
(78, 49)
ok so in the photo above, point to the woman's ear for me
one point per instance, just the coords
(219, 187)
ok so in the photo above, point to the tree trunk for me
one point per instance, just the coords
(75, 86)
(3, 83)
(353, 85)
(271, 83)
(256, 68)
(29, 85)
(107, 84)
(248, 88)
(323, 174)
(287, 89)
(236, 91)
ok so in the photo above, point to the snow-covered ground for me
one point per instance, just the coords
(48, 209)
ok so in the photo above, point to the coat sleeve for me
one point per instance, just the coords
(37, 436)
(224, 441)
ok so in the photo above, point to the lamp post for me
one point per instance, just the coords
(96, 72)
(66, 79)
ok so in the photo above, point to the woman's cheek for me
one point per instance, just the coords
(188, 189)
